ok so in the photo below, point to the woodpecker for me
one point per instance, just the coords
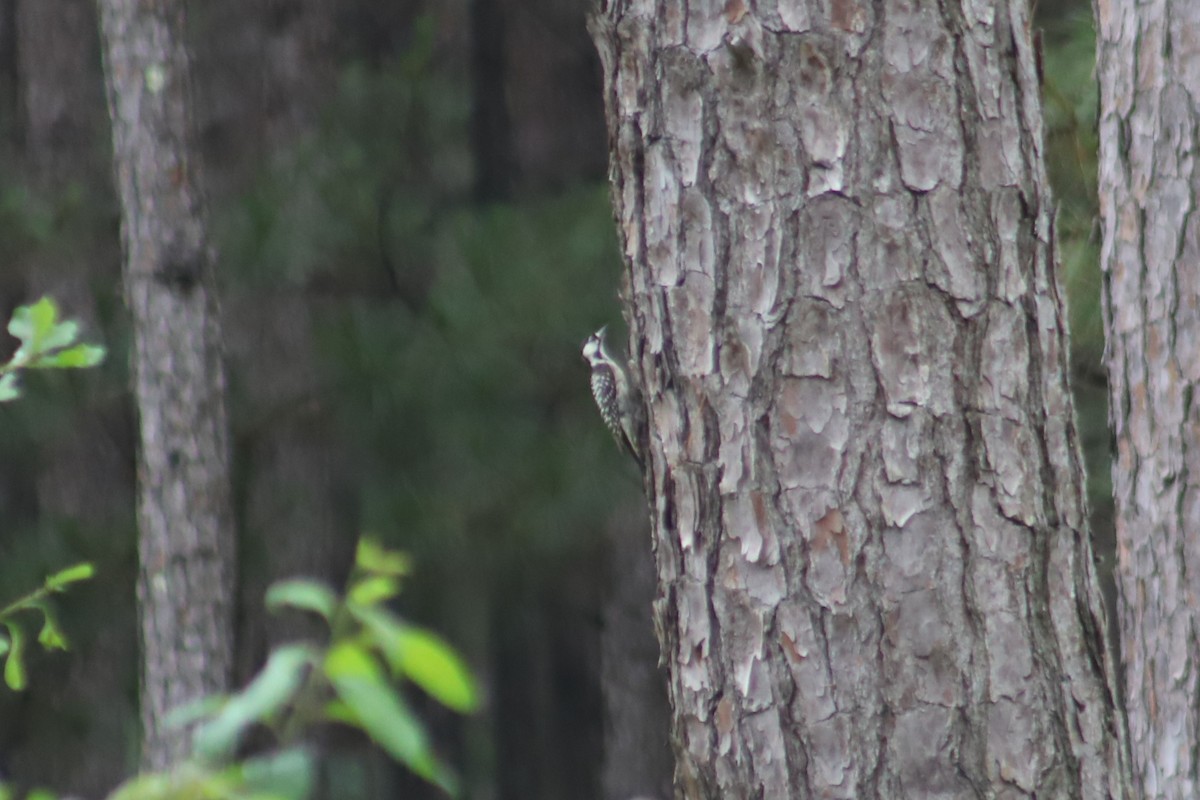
(614, 393)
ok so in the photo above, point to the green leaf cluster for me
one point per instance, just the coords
(13, 635)
(47, 342)
(276, 776)
(356, 677)
(353, 679)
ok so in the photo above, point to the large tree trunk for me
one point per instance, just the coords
(186, 541)
(1149, 179)
(875, 573)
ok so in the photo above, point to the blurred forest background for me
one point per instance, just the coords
(414, 235)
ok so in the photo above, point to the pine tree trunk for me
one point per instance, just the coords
(1148, 182)
(186, 541)
(875, 574)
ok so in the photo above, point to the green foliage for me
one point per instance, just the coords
(498, 459)
(51, 637)
(1071, 102)
(353, 203)
(46, 343)
(284, 775)
(450, 356)
(263, 700)
(354, 680)
(448, 342)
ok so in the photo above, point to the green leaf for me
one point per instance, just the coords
(432, 664)
(373, 590)
(41, 794)
(382, 713)
(14, 667)
(287, 775)
(81, 355)
(304, 595)
(337, 711)
(72, 574)
(372, 557)
(382, 626)
(61, 334)
(51, 636)
(272, 689)
(9, 389)
(347, 659)
(46, 342)
(184, 782)
(198, 709)
(144, 787)
(32, 325)
(4, 646)
(422, 657)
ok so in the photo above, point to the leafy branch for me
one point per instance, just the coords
(354, 679)
(13, 639)
(46, 343)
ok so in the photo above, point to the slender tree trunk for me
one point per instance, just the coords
(1149, 179)
(875, 575)
(186, 539)
(491, 128)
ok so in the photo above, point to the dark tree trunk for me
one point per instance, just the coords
(553, 93)
(186, 543)
(491, 131)
(61, 101)
(637, 718)
(546, 679)
(1149, 181)
(875, 575)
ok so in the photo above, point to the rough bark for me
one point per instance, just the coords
(186, 542)
(875, 575)
(1149, 79)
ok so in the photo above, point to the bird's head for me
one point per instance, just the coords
(593, 347)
